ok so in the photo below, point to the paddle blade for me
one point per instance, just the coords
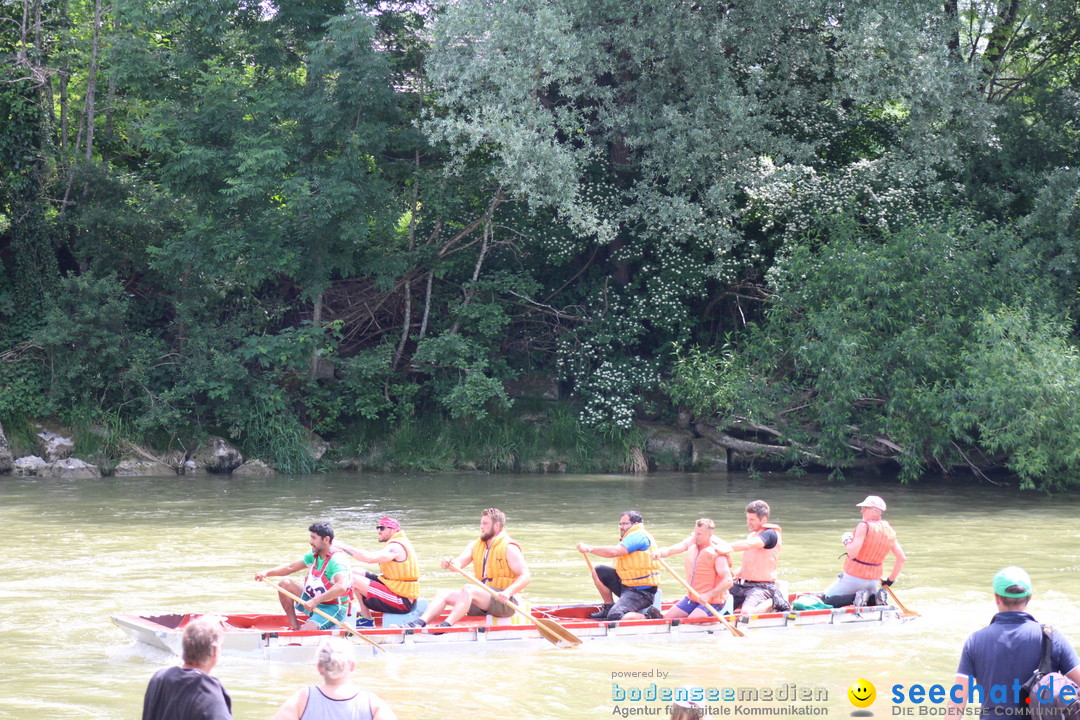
(556, 633)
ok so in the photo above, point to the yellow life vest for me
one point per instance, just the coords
(760, 564)
(402, 576)
(638, 569)
(879, 540)
(490, 564)
(700, 566)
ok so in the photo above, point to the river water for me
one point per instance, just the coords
(80, 552)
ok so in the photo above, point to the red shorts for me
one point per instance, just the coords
(381, 598)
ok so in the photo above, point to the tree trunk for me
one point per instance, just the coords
(91, 82)
(997, 44)
(406, 323)
(952, 16)
(316, 321)
(64, 112)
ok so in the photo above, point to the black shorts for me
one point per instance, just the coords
(631, 599)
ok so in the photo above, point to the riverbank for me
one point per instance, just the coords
(537, 438)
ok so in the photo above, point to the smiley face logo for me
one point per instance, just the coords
(862, 693)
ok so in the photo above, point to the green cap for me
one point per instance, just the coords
(1010, 577)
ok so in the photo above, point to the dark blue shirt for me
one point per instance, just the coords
(1003, 655)
(178, 693)
(769, 537)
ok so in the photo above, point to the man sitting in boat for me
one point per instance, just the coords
(867, 547)
(397, 587)
(707, 567)
(497, 562)
(328, 585)
(636, 574)
(755, 589)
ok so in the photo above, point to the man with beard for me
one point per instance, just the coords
(328, 585)
(497, 562)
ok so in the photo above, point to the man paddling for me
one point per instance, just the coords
(755, 589)
(707, 567)
(497, 562)
(636, 575)
(867, 547)
(328, 585)
(397, 587)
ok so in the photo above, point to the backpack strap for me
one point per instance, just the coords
(1045, 661)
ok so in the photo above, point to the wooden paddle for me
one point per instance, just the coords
(331, 618)
(550, 630)
(897, 601)
(588, 561)
(697, 598)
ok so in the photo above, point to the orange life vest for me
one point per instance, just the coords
(879, 540)
(489, 561)
(760, 564)
(700, 566)
(402, 576)
(638, 569)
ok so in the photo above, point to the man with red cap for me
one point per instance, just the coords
(397, 586)
(867, 547)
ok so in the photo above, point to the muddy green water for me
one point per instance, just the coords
(80, 552)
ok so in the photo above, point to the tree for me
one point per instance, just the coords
(897, 348)
(649, 130)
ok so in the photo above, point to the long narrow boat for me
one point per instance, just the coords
(258, 635)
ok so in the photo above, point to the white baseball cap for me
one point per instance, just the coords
(873, 501)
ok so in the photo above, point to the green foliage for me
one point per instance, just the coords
(867, 345)
(1017, 396)
(25, 171)
(459, 369)
(20, 433)
(100, 438)
(504, 441)
(270, 432)
(85, 342)
(23, 390)
(598, 186)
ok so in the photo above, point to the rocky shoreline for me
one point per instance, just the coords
(665, 448)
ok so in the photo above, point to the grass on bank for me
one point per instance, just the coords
(526, 438)
(529, 437)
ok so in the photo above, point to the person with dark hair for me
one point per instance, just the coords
(397, 587)
(635, 576)
(328, 585)
(497, 562)
(337, 697)
(1003, 655)
(189, 692)
(867, 547)
(755, 589)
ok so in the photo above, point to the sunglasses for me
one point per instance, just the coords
(380, 527)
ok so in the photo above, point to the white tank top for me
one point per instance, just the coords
(320, 707)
